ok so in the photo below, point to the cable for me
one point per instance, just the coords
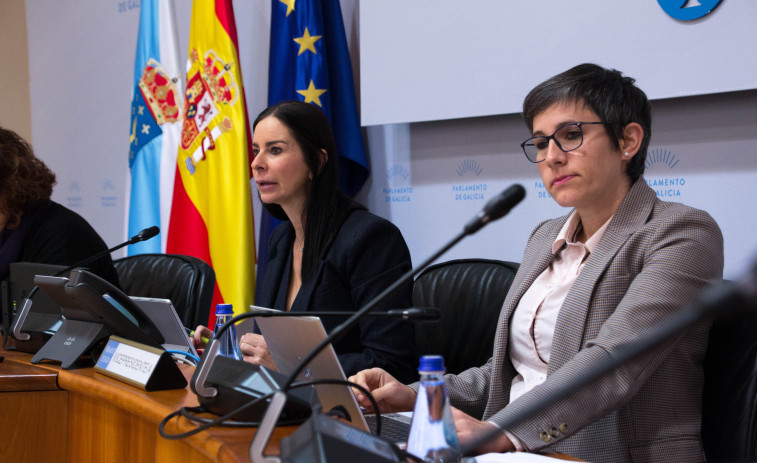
(217, 422)
(184, 353)
(206, 423)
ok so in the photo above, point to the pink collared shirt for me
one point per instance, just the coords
(532, 327)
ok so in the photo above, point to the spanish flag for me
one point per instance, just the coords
(211, 214)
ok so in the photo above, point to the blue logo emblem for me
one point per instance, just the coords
(469, 165)
(397, 170)
(688, 10)
(660, 156)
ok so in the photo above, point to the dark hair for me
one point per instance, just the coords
(326, 207)
(24, 179)
(610, 94)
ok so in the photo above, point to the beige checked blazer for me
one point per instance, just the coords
(654, 257)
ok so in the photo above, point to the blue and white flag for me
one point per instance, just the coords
(155, 128)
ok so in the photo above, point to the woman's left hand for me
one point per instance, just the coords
(255, 350)
(469, 429)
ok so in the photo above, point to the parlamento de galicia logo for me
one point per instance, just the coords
(665, 185)
(688, 10)
(397, 193)
(469, 191)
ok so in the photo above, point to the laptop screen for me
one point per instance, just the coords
(289, 340)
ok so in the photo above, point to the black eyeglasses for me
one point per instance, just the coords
(568, 138)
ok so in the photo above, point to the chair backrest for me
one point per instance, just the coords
(729, 407)
(470, 293)
(187, 281)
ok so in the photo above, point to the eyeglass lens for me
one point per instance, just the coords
(567, 137)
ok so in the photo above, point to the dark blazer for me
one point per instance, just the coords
(366, 256)
(654, 258)
(61, 236)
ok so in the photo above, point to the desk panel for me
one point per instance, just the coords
(92, 417)
(54, 415)
(33, 426)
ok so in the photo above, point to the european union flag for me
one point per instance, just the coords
(310, 62)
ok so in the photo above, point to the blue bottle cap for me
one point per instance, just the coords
(224, 309)
(431, 363)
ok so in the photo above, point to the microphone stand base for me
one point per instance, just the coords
(323, 438)
(70, 344)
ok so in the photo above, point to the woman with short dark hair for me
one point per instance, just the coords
(591, 283)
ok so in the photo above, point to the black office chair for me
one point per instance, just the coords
(470, 294)
(729, 408)
(187, 281)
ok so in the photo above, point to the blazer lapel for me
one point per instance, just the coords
(277, 264)
(304, 296)
(571, 321)
(540, 256)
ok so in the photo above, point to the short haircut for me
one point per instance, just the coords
(607, 92)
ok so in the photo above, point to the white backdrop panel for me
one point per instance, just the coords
(441, 59)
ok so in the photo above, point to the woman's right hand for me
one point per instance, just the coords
(201, 332)
(391, 395)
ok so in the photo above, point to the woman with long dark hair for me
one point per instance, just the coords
(329, 253)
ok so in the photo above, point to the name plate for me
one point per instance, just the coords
(142, 366)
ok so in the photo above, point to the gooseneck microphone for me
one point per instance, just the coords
(413, 314)
(494, 209)
(714, 301)
(143, 235)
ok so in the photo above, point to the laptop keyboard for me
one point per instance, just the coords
(394, 428)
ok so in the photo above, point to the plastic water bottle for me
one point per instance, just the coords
(229, 345)
(433, 436)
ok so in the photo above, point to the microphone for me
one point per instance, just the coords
(714, 301)
(494, 209)
(497, 207)
(143, 235)
(417, 314)
(413, 314)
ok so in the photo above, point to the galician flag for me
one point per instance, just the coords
(211, 216)
(155, 126)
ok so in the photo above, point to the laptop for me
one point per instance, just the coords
(163, 315)
(290, 339)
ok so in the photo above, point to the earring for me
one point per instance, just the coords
(626, 154)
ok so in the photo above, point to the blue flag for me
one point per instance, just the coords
(155, 126)
(310, 61)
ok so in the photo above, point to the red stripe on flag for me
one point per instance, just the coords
(188, 235)
(225, 15)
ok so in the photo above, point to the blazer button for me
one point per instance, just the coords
(554, 432)
(563, 428)
(545, 437)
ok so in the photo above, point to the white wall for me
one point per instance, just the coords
(81, 57)
(479, 57)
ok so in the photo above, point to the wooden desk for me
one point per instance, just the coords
(55, 415)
